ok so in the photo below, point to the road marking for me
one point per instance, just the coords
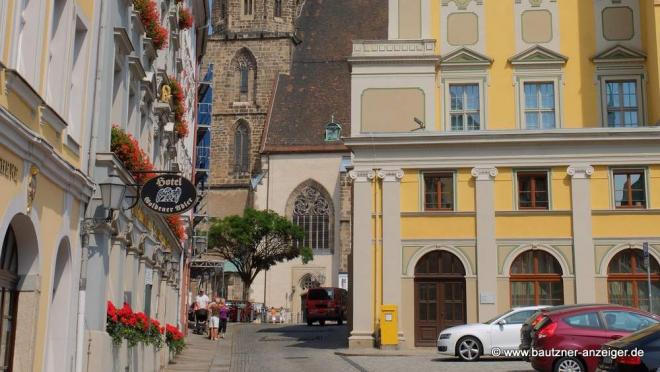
(353, 364)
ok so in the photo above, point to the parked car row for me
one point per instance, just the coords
(568, 338)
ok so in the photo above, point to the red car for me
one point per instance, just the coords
(323, 304)
(568, 339)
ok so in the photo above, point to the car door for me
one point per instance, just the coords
(505, 332)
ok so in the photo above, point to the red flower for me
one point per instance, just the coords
(185, 18)
(150, 18)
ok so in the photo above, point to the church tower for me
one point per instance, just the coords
(251, 44)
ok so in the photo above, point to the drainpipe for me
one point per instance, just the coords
(86, 230)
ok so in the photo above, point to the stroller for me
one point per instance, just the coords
(201, 321)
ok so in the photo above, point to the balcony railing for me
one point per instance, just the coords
(393, 48)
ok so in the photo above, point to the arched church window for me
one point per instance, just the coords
(278, 8)
(311, 211)
(241, 149)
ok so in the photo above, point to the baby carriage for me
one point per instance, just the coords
(201, 320)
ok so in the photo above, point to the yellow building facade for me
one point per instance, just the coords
(506, 154)
(44, 189)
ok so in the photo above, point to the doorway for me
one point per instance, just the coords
(439, 296)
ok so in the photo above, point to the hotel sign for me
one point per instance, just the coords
(168, 194)
(8, 170)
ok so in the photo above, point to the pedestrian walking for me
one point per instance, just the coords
(214, 309)
(224, 315)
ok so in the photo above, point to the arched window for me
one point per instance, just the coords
(278, 8)
(308, 281)
(627, 280)
(439, 263)
(244, 66)
(536, 279)
(8, 298)
(241, 149)
(311, 211)
(244, 78)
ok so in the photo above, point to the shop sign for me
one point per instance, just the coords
(8, 170)
(168, 194)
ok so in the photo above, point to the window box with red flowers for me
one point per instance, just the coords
(124, 324)
(179, 103)
(174, 339)
(150, 18)
(185, 18)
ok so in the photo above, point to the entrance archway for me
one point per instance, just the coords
(18, 302)
(57, 355)
(439, 295)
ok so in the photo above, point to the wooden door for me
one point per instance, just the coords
(438, 304)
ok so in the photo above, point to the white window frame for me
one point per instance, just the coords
(520, 97)
(639, 79)
(32, 77)
(75, 130)
(3, 27)
(447, 103)
(647, 194)
(422, 190)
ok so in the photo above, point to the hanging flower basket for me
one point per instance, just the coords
(185, 18)
(124, 324)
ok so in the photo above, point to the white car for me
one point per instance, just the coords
(471, 341)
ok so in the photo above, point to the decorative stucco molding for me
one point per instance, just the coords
(462, 4)
(365, 175)
(390, 175)
(484, 173)
(580, 171)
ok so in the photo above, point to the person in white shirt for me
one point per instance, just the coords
(202, 300)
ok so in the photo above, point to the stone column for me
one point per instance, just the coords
(486, 241)
(392, 241)
(583, 245)
(117, 255)
(362, 334)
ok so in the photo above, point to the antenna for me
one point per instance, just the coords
(419, 123)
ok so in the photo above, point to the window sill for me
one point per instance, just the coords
(534, 212)
(438, 213)
(604, 212)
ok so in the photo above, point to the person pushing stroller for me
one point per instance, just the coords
(201, 312)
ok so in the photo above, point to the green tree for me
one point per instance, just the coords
(255, 242)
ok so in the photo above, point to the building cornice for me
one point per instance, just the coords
(499, 136)
(28, 145)
(432, 150)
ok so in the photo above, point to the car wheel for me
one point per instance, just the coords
(322, 322)
(469, 349)
(569, 364)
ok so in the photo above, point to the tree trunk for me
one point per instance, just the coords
(246, 290)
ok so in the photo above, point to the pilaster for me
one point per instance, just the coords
(392, 241)
(486, 241)
(583, 245)
(362, 335)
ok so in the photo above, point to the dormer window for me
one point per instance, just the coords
(332, 131)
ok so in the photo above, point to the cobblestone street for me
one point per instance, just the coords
(301, 348)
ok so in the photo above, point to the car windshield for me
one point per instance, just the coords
(320, 294)
(497, 317)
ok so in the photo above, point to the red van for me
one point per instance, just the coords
(323, 304)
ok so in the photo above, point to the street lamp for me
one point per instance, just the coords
(112, 195)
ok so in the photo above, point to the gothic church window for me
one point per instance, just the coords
(241, 149)
(278, 8)
(311, 211)
(244, 70)
(247, 7)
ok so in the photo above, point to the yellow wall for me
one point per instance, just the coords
(578, 43)
(10, 188)
(560, 188)
(500, 46)
(577, 40)
(438, 226)
(504, 192)
(533, 226)
(625, 224)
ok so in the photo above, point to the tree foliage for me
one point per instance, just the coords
(256, 241)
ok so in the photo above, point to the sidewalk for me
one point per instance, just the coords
(374, 352)
(204, 355)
